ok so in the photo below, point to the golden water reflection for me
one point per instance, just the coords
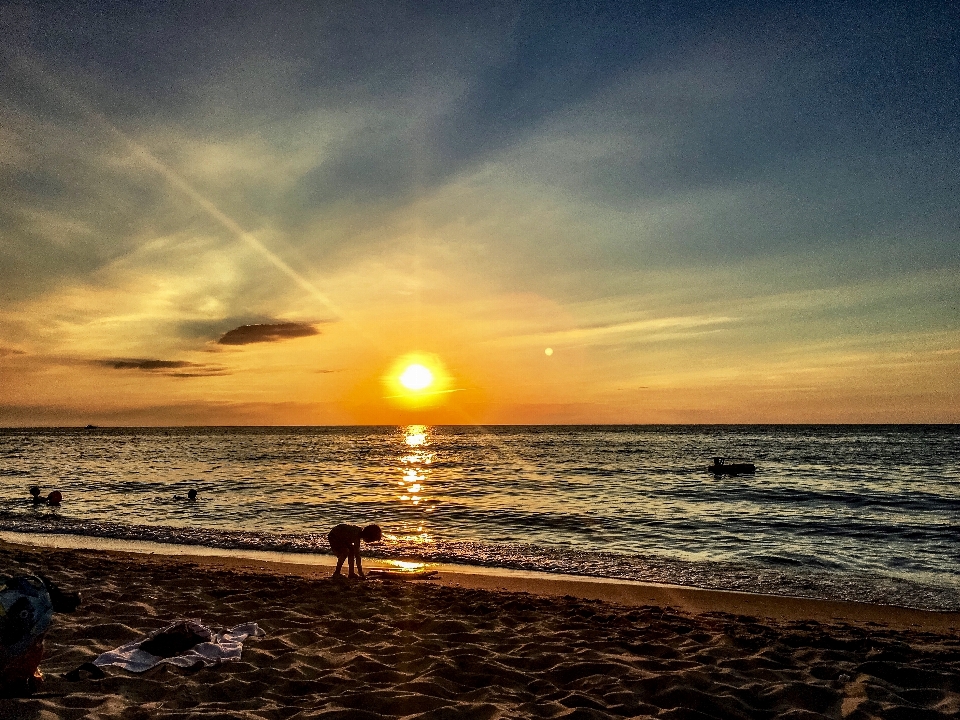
(409, 535)
(413, 467)
(406, 565)
(415, 438)
(413, 482)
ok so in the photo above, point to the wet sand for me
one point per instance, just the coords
(480, 645)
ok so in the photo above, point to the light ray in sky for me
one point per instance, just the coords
(148, 159)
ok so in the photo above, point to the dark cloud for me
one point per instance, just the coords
(4, 352)
(248, 334)
(171, 368)
(146, 364)
(200, 373)
(205, 329)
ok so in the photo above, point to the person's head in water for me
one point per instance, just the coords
(54, 498)
(192, 495)
(35, 492)
(371, 534)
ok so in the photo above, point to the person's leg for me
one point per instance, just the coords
(341, 556)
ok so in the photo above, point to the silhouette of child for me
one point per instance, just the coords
(345, 543)
(192, 495)
(35, 492)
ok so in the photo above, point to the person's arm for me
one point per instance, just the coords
(359, 566)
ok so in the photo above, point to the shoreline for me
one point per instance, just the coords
(692, 600)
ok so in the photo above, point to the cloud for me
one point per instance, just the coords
(671, 139)
(4, 352)
(171, 368)
(146, 364)
(619, 333)
(248, 334)
(209, 412)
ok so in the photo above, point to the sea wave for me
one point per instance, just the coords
(774, 575)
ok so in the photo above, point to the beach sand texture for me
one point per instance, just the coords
(388, 649)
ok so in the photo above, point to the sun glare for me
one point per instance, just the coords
(416, 377)
(417, 380)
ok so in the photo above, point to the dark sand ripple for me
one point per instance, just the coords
(355, 651)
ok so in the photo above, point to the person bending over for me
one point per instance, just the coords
(345, 543)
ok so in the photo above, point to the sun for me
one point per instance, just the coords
(416, 377)
(417, 380)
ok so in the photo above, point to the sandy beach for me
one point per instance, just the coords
(479, 646)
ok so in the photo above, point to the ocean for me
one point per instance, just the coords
(838, 512)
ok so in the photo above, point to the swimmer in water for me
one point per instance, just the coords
(35, 492)
(192, 495)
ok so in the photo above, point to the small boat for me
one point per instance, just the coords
(721, 467)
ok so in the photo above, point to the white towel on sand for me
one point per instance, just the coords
(221, 647)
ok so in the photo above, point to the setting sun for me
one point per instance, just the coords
(417, 380)
(416, 377)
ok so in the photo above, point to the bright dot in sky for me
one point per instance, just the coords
(416, 377)
(548, 352)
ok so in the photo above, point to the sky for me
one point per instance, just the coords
(258, 213)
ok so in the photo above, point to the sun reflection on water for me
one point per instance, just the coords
(416, 437)
(406, 565)
(409, 535)
(413, 484)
